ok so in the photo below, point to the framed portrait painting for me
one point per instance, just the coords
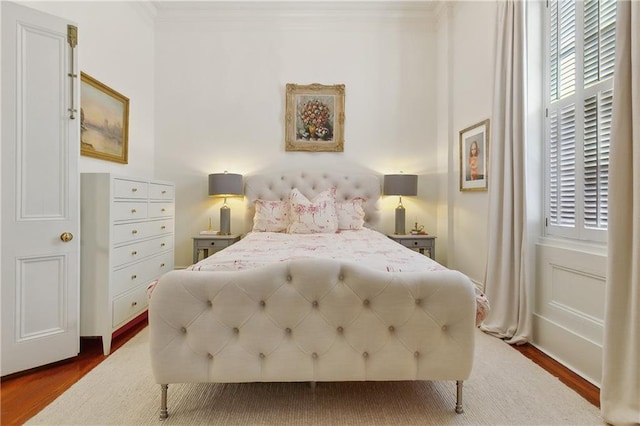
(474, 164)
(104, 121)
(314, 118)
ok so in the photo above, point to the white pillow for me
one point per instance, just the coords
(312, 217)
(350, 214)
(271, 216)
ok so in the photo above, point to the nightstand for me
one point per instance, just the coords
(211, 243)
(420, 242)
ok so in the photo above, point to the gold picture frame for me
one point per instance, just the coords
(314, 118)
(104, 121)
(474, 158)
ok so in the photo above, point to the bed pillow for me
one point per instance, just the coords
(271, 216)
(312, 217)
(350, 214)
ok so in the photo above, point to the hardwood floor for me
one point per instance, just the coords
(23, 395)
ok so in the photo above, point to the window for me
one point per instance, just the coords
(580, 63)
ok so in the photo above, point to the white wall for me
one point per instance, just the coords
(465, 75)
(221, 73)
(116, 46)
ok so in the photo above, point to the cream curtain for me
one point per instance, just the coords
(620, 392)
(506, 274)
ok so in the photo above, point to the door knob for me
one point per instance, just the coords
(66, 236)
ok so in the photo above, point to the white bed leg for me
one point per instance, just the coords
(459, 409)
(164, 413)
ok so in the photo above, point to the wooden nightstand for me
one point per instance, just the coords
(213, 243)
(420, 242)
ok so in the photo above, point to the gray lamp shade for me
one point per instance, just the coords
(225, 184)
(400, 185)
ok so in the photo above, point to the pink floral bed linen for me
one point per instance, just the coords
(364, 246)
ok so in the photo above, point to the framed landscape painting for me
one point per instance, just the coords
(314, 118)
(104, 121)
(474, 149)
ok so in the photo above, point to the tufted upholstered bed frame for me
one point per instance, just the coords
(293, 321)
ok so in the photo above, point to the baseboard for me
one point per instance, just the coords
(577, 353)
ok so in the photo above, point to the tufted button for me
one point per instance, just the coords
(418, 301)
(314, 303)
(314, 355)
(392, 328)
(416, 354)
(341, 277)
(444, 328)
(340, 329)
(183, 330)
(366, 302)
(287, 330)
(262, 355)
(365, 354)
(262, 303)
(209, 303)
(235, 330)
(288, 277)
(210, 356)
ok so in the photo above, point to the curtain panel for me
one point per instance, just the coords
(506, 282)
(620, 392)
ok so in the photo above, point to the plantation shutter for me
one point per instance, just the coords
(581, 54)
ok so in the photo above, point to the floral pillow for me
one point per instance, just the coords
(271, 216)
(350, 214)
(313, 217)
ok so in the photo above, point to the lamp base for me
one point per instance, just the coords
(400, 221)
(225, 220)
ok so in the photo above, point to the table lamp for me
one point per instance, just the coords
(400, 184)
(225, 185)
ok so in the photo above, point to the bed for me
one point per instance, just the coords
(296, 301)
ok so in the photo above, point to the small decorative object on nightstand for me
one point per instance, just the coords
(422, 242)
(212, 243)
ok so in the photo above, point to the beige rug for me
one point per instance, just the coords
(505, 388)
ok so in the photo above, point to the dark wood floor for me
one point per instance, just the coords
(23, 395)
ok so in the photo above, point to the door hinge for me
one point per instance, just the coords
(72, 39)
(72, 35)
(546, 112)
(546, 222)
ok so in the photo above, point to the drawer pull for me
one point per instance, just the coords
(135, 231)
(164, 192)
(134, 211)
(134, 304)
(213, 243)
(133, 277)
(133, 253)
(162, 265)
(162, 244)
(134, 189)
(415, 243)
(163, 227)
(163, 209)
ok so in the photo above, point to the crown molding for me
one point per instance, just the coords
(417, 12)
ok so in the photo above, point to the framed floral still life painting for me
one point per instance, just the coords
(314, 118)
(474, 149)
(104, 121)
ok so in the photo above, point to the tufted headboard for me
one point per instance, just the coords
(310, 183)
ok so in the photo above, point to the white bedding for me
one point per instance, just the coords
(365, 247)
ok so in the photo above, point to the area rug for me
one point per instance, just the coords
(505, 388)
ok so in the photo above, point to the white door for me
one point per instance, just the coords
(40, 148)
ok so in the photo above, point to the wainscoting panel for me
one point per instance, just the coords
(569, 307)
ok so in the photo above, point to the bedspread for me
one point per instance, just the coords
(365, 247)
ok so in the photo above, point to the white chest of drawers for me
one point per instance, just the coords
(127, 238)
